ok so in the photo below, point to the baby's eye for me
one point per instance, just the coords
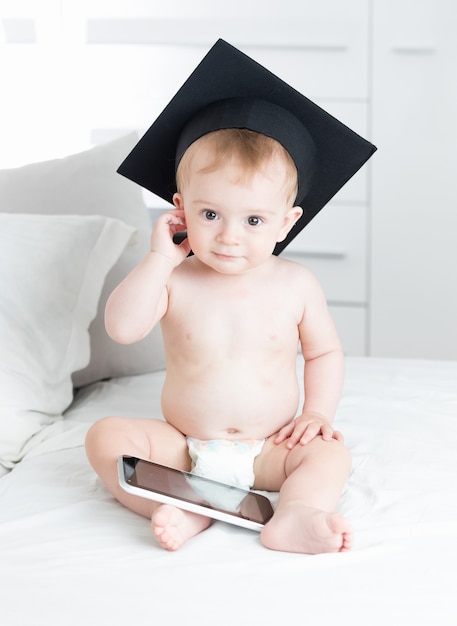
(253, 220)
(209, 215)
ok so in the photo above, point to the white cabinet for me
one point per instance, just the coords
(389, 269)
(413, 299)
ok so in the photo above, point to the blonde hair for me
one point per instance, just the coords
(253, 150)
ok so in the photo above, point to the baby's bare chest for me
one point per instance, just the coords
(232, 321)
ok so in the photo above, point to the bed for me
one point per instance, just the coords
(70, 554)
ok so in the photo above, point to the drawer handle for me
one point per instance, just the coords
(419, 50)
(200, 32)
(306, 47)
(316, 254)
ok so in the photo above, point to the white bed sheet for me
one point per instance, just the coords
(71, 555)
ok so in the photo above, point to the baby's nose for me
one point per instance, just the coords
(229, 234)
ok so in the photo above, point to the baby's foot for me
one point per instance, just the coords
(297, 528)
(172, 526)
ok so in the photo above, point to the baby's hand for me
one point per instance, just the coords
(305, 428)
(165, 228)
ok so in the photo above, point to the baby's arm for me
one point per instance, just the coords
(141, 299)
(323, 374)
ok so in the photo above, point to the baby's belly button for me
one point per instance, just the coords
(232, 431)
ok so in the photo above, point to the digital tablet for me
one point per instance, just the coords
(184, 490)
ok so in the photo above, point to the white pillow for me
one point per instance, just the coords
(52, 270)
(87, 183)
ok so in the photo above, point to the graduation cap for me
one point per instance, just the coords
(230, 90)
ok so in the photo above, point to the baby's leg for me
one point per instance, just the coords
(152, 440)
(313, 477)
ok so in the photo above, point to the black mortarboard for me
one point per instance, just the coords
(230, 90)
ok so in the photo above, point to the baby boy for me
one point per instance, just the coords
(233, 313)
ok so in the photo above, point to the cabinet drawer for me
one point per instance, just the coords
(142, 79)
(333, 246)
(319, 47)
(351, 325)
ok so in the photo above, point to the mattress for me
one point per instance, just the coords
(70, 554)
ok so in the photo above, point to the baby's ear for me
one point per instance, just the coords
(178, 201)
(291, 218)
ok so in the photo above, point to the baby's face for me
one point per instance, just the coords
(233, 220)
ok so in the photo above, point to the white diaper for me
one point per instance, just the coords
(226, 461)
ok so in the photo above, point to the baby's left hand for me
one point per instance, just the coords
(305, 428)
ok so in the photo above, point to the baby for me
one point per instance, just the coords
(232, 316)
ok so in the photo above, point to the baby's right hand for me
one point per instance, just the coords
(166, 226)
